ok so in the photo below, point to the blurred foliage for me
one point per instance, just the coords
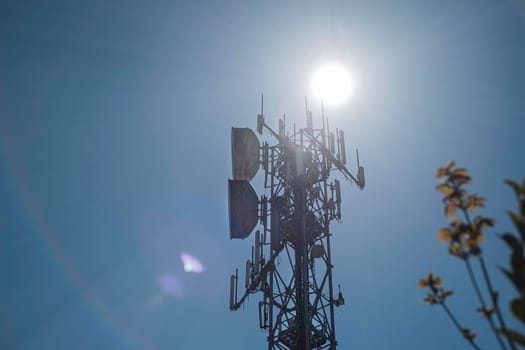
(464, 235)
(437, 295)
(516, 273)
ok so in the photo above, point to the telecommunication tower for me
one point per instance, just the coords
(290, 264)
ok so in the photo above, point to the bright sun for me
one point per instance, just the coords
(333, 83)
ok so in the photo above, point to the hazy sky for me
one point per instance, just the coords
(115, 122)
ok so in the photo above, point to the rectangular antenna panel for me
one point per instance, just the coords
(260, 123)
(263, 315)
(299, 161)
(281, 128)
(247, 275)
(232, 288)
(275, 234)
(309, 121)
(264, 211)
(257, 258)
(265, 152)
(331, 142)
(342, 141)
(337, 185)
(361, 177)
(338, 198)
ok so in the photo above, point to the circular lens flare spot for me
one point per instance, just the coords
(170, 285)
(191, 264)
(333, 83)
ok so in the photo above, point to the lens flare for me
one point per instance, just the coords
(191, 264)
(171, 286)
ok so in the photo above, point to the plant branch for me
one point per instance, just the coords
(458, 326)
(480, 295)
(494, 300)
(483, 304)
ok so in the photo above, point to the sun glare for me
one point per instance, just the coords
(333, 83)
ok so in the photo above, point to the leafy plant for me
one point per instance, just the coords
(516, 273)
(464, 236)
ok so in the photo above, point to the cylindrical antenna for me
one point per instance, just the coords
(262, 104)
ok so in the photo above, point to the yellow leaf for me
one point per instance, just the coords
(447, 191)
(445, 235)
(461, 172)
(422, 283)
(480, 201)
(469, 243)
(457, 251)
(444, 171)
(486, 222)
(456, 223)
(441, 172)
(471, 206)
(463, 180)
(445, 188)
(450, 210)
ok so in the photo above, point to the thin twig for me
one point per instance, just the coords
(458, 326)
(494, 299)
(478, 291)
(483, 304)
(475, 284)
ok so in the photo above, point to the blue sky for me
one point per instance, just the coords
(115, 125)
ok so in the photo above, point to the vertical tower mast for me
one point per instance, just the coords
(293, 267)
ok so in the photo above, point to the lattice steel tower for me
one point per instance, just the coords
(291, 259)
